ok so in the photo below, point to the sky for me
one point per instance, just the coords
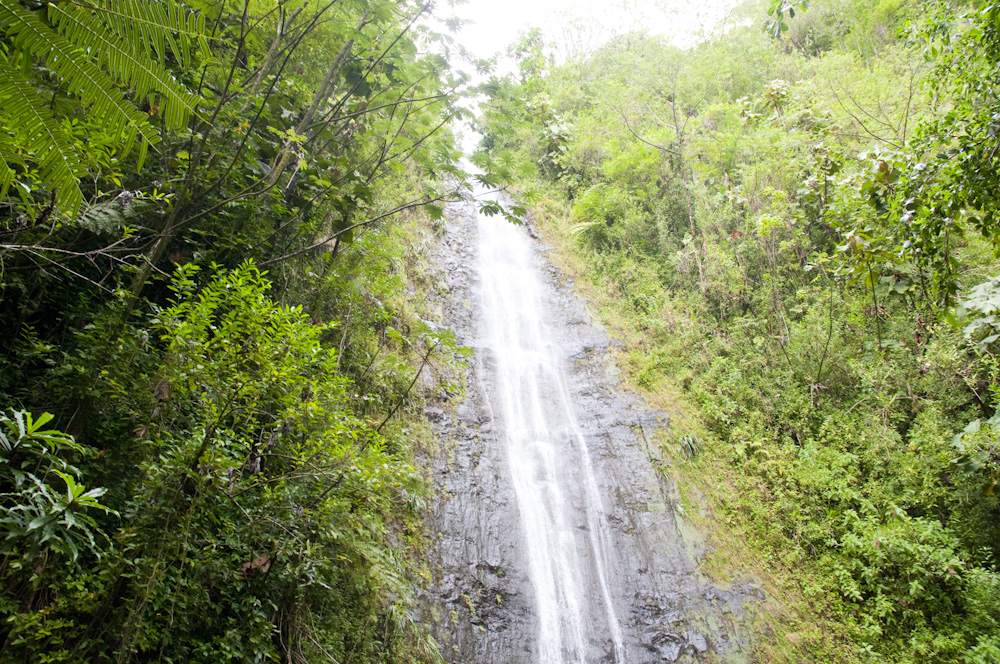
(579, 26)
(573, 28)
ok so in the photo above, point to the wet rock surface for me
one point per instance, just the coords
(480, 605)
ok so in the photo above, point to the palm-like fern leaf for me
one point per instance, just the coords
(155, 26)
(6, 177)
(93, 48)
(39, 132)
(8, 153)
(79, 74)
(129, 53)
(108, 217)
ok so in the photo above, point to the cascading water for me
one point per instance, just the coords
(558, 542)
(557, 495)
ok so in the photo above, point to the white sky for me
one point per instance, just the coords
(582, 25)
(576, 27)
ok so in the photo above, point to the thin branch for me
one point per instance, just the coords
(316, 245)
(402, 398)
(376, 62)
(652, 145)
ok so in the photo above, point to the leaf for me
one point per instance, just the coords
(123, 38)
(33, 425)
(968, 464)
(79, 74)
(93, 50)
(111, 217)
(39, 522)
(34, 126)
(435, 212)
(6, 173)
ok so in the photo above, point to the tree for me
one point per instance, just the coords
(246, 427)
(951, 178)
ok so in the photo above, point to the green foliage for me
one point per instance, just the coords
(39, 518)
(785, 241)
(90, 51)
(254, 433)
(778, 9)
(978, 312)
(264, 500)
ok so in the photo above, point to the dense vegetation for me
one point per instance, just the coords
(794, 227)
(207, 345)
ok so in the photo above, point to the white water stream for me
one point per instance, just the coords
(561, 512)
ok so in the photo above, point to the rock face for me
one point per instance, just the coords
(583, 559)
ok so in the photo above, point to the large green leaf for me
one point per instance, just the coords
(132, 50)
(39, 132)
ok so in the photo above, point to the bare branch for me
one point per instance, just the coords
(652, 145)
(334, 236)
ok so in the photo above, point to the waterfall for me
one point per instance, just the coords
(560, 508)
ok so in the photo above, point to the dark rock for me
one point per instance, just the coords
(654, 585)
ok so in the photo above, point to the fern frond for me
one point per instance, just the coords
(39, 132)
(79, 74)
(109, 217)
(6, 176)
(576, 230)
(162, 27)
(126, 61)
(8, 155)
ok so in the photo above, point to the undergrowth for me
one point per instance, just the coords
(826, 503)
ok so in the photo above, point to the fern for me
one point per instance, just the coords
(131, 55)
(158, 27)
(8, 153)
(94, 49)
(39, 132)
(6, 177)
(80, 76)
(109, 217)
